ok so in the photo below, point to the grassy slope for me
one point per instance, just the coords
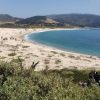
(19, 84)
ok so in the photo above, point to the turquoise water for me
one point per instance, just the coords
(86, 41)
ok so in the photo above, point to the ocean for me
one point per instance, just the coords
(85, 41)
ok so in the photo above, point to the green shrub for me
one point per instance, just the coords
(49, 85)
(12, 54)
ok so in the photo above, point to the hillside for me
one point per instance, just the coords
(60, 20)
(38, 21)
(5, 18)
(83, 20)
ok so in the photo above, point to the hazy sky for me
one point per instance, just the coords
(27, 8)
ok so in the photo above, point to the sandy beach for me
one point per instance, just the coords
(12, 41)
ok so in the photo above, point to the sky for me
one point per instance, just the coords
(28, 8)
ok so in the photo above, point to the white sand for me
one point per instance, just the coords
(11, 40)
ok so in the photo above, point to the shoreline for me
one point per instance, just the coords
(48, 56)
(26, 38)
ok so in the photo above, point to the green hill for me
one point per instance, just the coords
(83, 20)
(5, 18)
(60, 20)
(38, 21)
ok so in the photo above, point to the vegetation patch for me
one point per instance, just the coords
(12, 54)
(27, 84)
(17, 60)
(25, 46)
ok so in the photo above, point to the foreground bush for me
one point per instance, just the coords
(18, 84)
